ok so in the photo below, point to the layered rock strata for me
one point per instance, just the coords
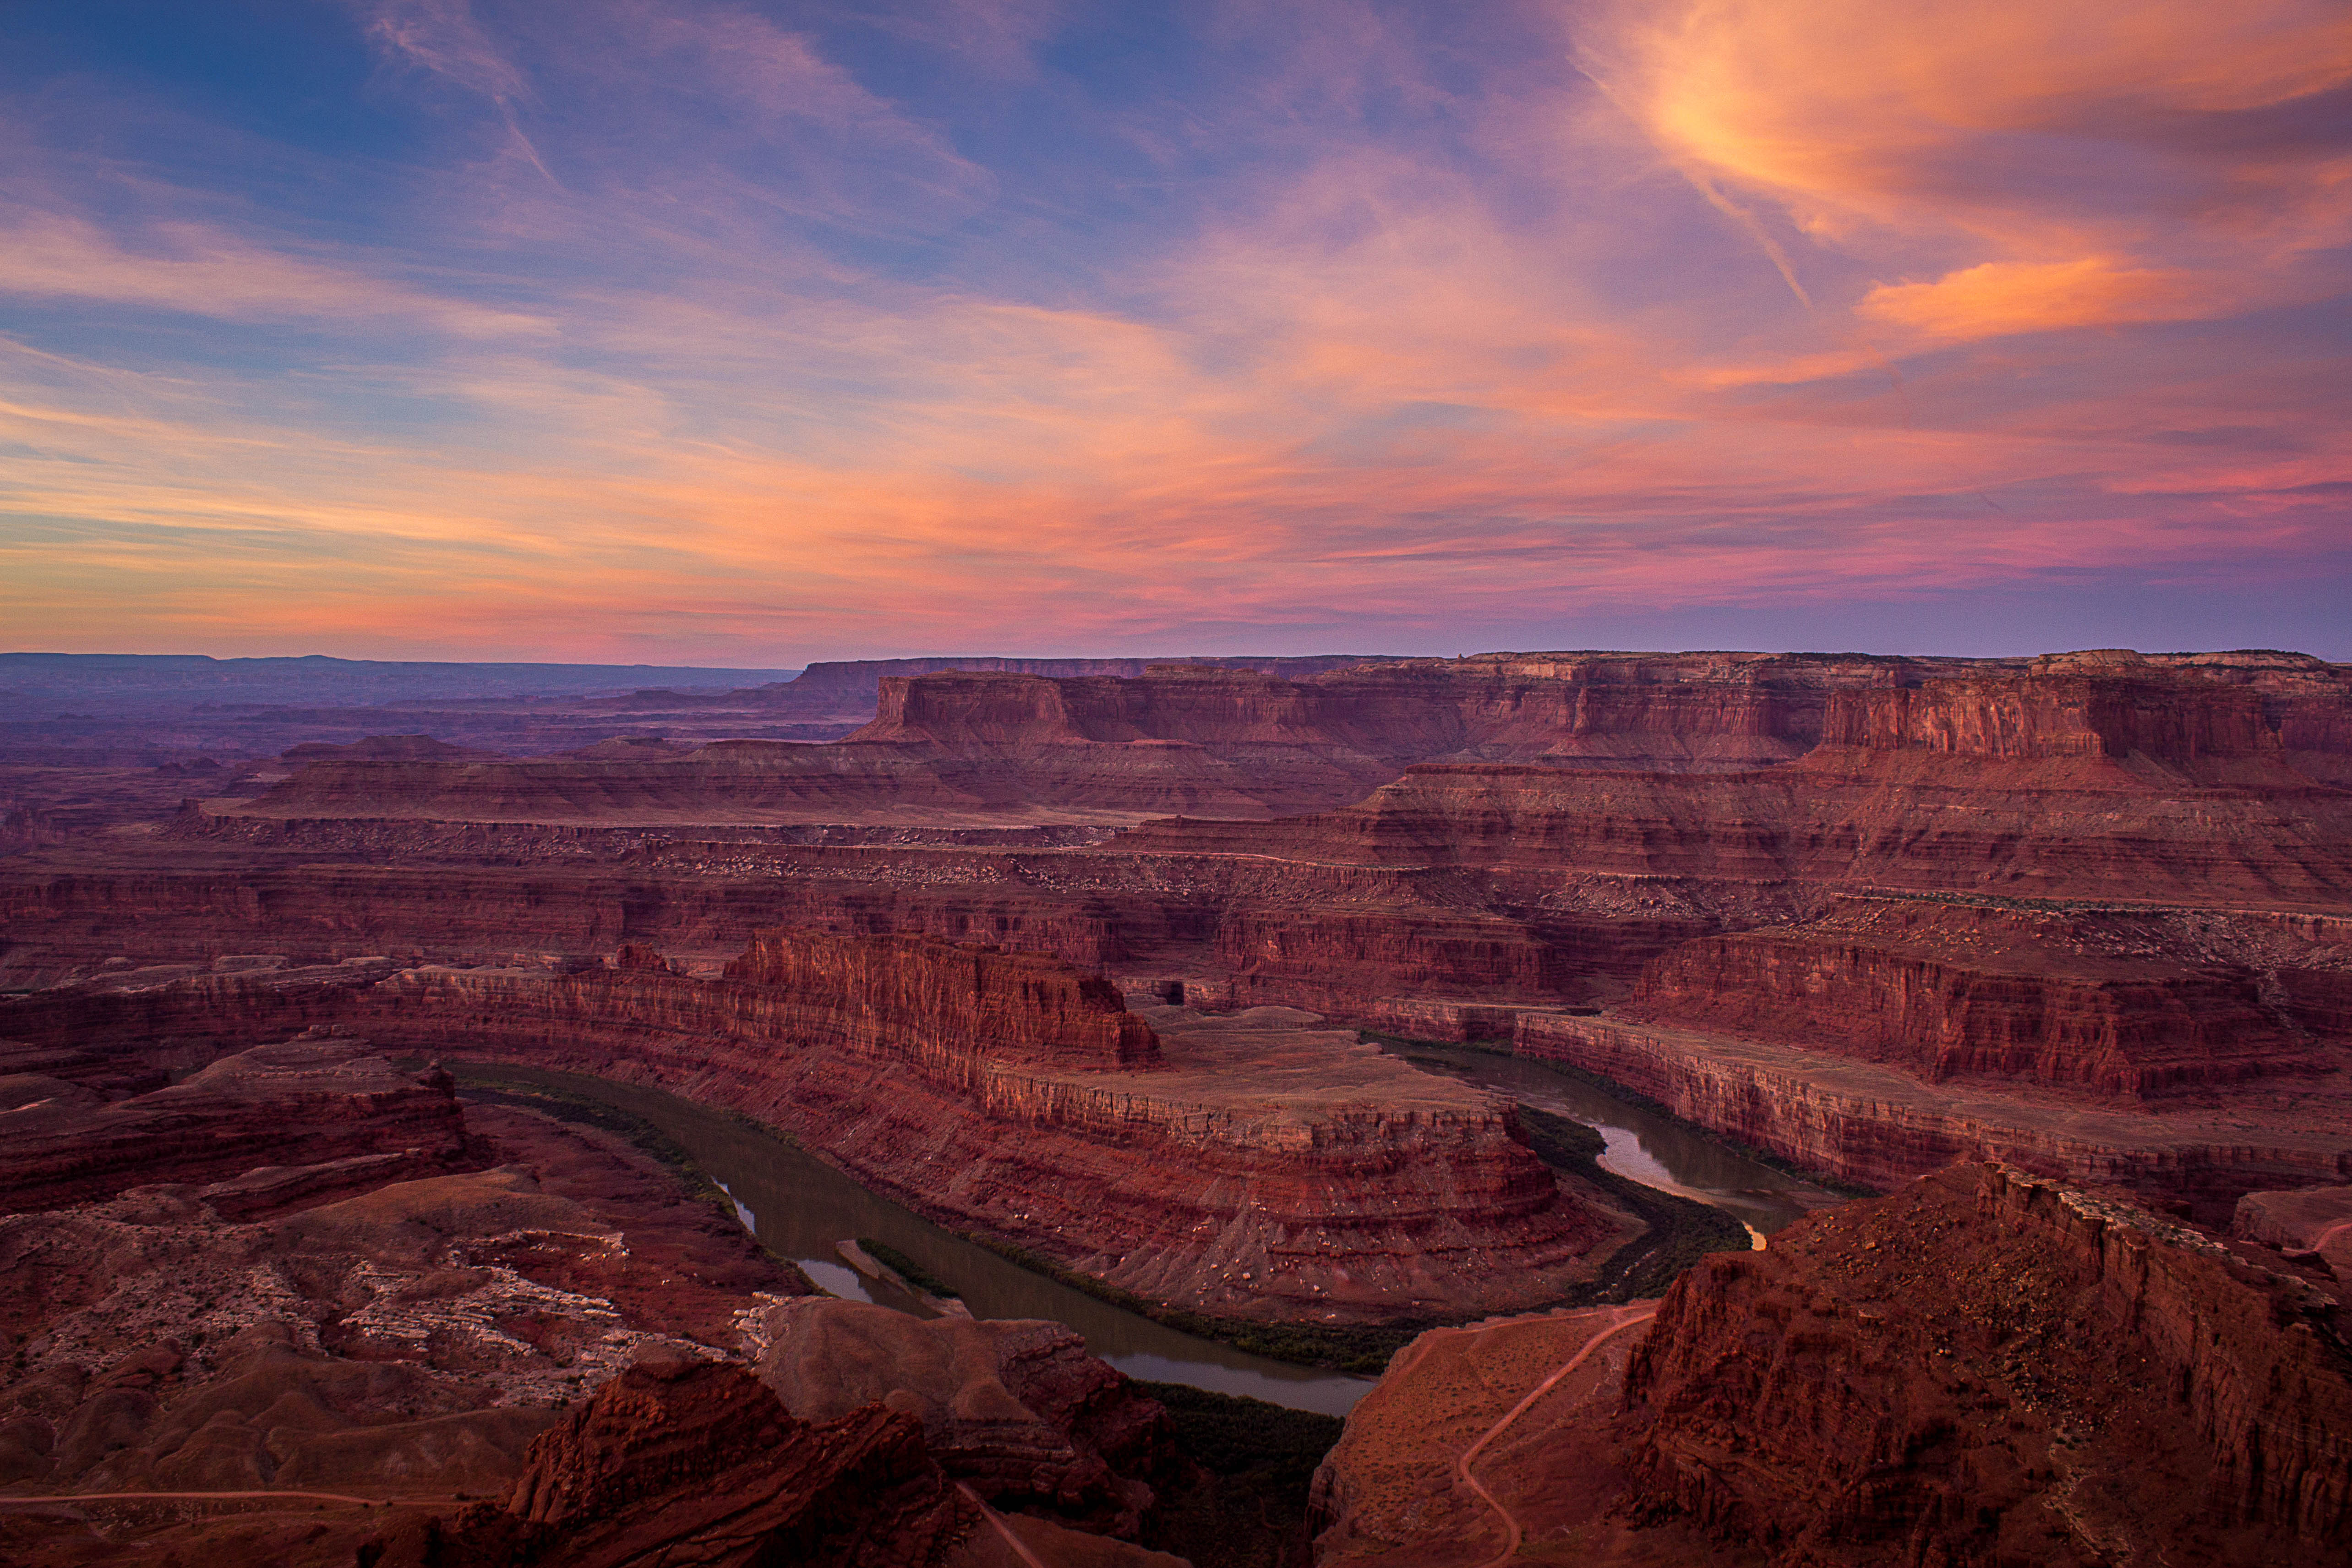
(2050, 818)
(1947, 993)
(976, 746)
(1248, 1162)
(1261, 1167)
(878, 994)
(1878, 1125)
(2129, 885)
(691, 1463)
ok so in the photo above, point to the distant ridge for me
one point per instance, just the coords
(137, 681)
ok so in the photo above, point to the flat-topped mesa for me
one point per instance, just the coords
(2166, 718)
(1239, 740)
(904, 994)
(1708, 711)
(853, 686)
(1169, 704)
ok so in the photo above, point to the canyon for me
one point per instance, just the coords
(1090, 963)
(1247, 1163)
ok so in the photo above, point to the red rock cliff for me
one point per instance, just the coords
(1952, 998)
(913, 995)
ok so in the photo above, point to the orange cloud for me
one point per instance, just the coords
(1375, 383)
(1994, 299)
(2066, 162)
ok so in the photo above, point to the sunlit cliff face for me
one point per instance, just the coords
(716, 332)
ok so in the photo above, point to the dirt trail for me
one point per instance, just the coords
(1020, 1548)
(1624, 1318)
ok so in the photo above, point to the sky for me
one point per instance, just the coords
(750, 334)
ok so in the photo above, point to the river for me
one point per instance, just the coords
(803, 1209)
(1656, 1151)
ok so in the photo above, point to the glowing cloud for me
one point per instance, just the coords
(688, 330)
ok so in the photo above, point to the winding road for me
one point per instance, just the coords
(1624, 1318)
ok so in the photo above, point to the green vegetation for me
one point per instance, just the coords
(1491, 1047)
(1682, 1230)
(907, 1268)
(1260, 1461)
(1231, 1435)
(487, 1086)
(1341, 1347)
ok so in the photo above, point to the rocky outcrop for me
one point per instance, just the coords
(304, 1102)
(692, 1463)
(2314, 1223)
(1985, 1367)
(1979, 1369)
(1016, 1409)
(410, 1337)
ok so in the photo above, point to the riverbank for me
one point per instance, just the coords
(477, 1086)
(1419, 1051)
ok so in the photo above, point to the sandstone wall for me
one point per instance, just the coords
(918, 993)
(1880, 1133)
(2104, 1027)
(2013, 717)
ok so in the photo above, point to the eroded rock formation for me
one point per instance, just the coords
(694, 1463)
(1256, 1166)
(1018, 1410)
(1984, 1367)
(1251, 1163)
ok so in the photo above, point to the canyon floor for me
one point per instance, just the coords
(1089, 965)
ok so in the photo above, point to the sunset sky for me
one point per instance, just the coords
(746, 335)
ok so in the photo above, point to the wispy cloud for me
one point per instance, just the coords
(783, 333)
